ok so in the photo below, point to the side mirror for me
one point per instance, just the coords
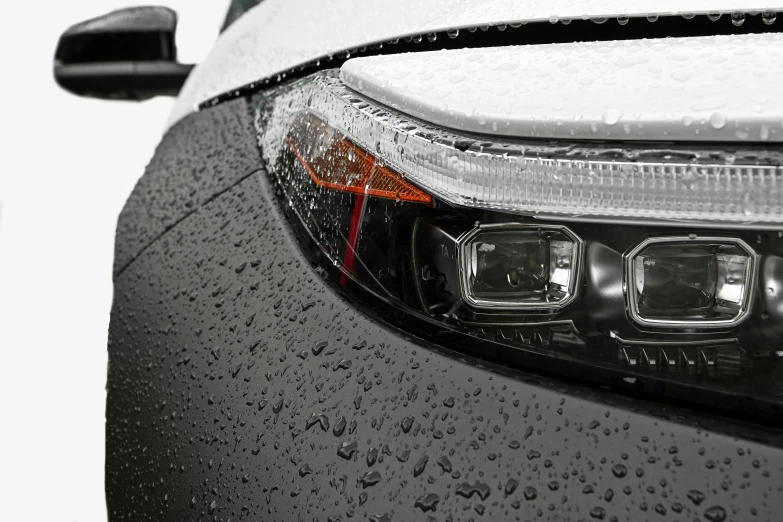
(128, 54)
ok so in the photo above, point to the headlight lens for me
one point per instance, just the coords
(686, 310)
(519, 267)
(691, 281)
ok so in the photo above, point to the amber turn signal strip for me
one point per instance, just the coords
(348, 168)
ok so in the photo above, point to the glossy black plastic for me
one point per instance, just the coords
(129, 54)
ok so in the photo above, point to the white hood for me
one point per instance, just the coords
(715, 88)
(278, 35)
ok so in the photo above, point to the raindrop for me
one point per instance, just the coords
(431, 37)
(318, 347)
(372, 456)
(530, 493)
(320, 419)
(622, 19)
(343, 364)
(737, 19)
(598, 513)
(619, 470)
(652, 18)
(715, 514)
(444, 463)
(347, 449)
(339, 427)
(718, 120)
(370, 479)
(714, 17)
(467, 490)
(418, 469)
(427, 502)
(696, 496)
(452, 33)
(611, 116)
(768, 17)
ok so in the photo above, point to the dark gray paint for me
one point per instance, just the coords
(200, 157)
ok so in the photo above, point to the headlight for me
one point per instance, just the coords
(689, 282)
(579, 259)
(515, 267)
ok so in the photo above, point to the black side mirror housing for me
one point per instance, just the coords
(130, 54)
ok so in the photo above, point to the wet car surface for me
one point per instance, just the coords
(436, 269)
(242, 386)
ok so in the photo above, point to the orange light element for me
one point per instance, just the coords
(344, 166)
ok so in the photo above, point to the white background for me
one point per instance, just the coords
(66, 167)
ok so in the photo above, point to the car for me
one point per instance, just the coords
(445, 260)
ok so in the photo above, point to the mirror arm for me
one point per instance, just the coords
(123, 80)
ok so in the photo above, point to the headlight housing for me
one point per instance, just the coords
(586, 260)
